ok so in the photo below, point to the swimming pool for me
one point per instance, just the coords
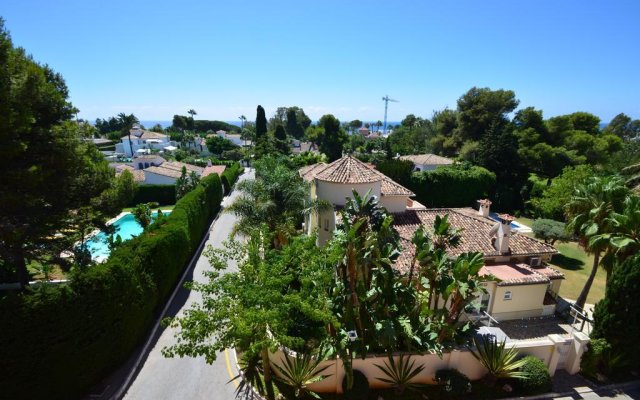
(126, 226)
(518, 227)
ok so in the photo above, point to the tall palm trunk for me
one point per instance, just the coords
(582, 298)
(130, 142)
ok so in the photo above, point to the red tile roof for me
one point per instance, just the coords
(348, 170)
(213, 169)
(475, 235)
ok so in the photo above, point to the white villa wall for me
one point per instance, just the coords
(151, 178)
(556, 351)
(394, 204)
(336, 193)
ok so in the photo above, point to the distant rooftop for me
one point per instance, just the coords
(427, 159)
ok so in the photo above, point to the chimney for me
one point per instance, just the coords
(209, 163)
(483, 210)
(502, 232)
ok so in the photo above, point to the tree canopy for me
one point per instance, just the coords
(52, 179)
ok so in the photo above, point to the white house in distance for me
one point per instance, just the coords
(143, 141)
(235, 138)
(522, 284)
(427, 162)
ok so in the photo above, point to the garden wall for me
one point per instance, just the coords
(58, 341)
(556, 351)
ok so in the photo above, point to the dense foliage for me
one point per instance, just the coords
(617, 316)
(452, 186)
(55, 187)
(230, 176)
(161, 194)
(537, 379)
(550, 231)
(70, 336)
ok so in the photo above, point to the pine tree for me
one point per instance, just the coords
(282, 143)
(261, 124)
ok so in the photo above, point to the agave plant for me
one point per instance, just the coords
(250, 376)
(300, 371)
(401, 373)
(500, 361)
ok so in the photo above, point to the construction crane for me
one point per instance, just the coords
(386, 100)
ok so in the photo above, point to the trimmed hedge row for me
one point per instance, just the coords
(57, 341)
(162, 194)
(230, 176)
(452, 186)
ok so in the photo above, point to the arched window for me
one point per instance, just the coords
(507, 295)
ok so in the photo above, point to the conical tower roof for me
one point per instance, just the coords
(349, 170)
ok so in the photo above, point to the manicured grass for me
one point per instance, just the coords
(576, 265)
(169, 207)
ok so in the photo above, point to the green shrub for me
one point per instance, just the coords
(161, 194)
(230, 176)
(452, 186)
(550, 231)
(360, 389)
(453, 381)
(63, 339)
(538, 379)
(601, 360)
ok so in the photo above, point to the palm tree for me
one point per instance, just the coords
(127, 121)
(624, 239)
(277, 198)
(192, 112)
(243, 119)
(589, 212)
(378, 125)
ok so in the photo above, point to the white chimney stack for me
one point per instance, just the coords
(502, 231)
(483, 210)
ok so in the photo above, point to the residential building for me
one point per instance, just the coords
(298, 147)
(521, 283)
(143, 142)
(147, 160)
(236, 138)
(427, 162)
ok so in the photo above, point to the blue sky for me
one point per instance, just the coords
(222, 58)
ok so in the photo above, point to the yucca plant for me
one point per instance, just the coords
(250, 377)
(502, 362)
(300, 371)
(401, 373)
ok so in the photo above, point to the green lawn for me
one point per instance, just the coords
(576, 265)
(169, 207)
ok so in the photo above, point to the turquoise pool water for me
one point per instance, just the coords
(126, 227)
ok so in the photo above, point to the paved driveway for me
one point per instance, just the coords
(189, 378)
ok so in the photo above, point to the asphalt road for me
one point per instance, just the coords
(189, 378)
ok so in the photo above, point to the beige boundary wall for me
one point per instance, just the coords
(556, 351)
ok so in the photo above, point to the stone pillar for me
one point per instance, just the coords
(579, 346)
(560, 348)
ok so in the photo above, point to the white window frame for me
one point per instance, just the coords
(508, 295)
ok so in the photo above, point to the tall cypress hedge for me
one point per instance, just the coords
(230, 176)
(58, 341)
(452, 186)
(161, 194)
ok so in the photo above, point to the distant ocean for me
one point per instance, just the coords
(149, 123)
(164, 124)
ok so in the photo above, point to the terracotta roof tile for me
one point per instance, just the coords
(348, 170)
(145, 135)
(475, 236)
(427, 159)
(391, 188)
(513, 274)
(213, 169)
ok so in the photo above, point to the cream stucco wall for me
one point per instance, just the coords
(394, 204)
(336, 193)
(526, 301)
